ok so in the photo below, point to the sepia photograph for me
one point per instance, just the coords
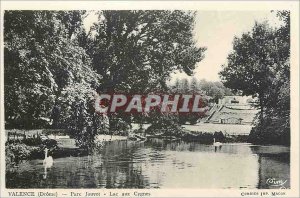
(147, 99)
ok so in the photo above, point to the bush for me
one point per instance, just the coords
(32, 141)
(167, 129)
(16, 152)
(275, 129)
(50, 143)
(270, 132)
(203, 137)
(32, 148)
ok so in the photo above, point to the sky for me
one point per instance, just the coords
(215, 30)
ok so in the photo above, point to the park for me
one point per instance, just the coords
(140, 99)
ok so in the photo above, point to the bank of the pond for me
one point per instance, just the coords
(201, 137)
(19, 151)
(158, 164)
(103, 137)
(22, 145)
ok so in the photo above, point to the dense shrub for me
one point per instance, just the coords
(49, 143)
(32, 141)
(165, 127)
(31, 148)
(16, 152)
(271, 132)
(204, 137)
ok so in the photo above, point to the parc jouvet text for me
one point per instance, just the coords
(69, 193)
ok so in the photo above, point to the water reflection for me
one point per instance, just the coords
(160, 164)
(274, 164)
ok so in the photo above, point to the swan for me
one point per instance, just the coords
(48, 161)
(217, 143)
(45, 173)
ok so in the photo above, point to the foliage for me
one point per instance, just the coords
(15, 153)
(177, 86)
(32, 141)
(48, 75)
(40, 60)
(216, 90)
(210, 91)
(118, 126)
(166, 125)
(185, 86)
(259, 66)
(203, 137)
(53, 65)
(49, 143)
(271, 131)
(136, 50)
(78, 115)
(194, 86)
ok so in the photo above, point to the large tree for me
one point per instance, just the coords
(43, 62)
(52, 63)
(259, 66)
(137, 50)
(254, 62)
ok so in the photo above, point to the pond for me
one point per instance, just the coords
(161, 164)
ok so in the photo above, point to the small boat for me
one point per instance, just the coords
(139, 137)
(57, 137)
(136, 137)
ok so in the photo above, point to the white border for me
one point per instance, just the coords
(188, 5)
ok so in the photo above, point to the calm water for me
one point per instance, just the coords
(160, 164)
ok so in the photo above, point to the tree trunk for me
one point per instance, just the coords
(262, 106)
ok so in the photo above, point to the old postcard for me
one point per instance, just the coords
(149, 99)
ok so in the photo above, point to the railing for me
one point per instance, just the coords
(210, 116)
(21, 136)
(235, 134)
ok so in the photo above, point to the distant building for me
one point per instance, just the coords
(233, 110)
(231, 120)
(236, 100)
